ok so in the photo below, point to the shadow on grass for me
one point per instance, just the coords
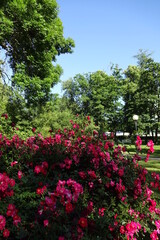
(152, 166)
(132, 149)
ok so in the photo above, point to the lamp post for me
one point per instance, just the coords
(135, 119)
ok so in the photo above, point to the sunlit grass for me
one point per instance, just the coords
(152, 166)
(131, 150)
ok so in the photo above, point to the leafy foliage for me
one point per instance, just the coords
(32, 35)
(75, 185)
(140, 86)
(95, 94)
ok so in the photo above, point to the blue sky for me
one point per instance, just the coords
(106, 32)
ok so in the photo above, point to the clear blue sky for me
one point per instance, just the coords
(108, 31)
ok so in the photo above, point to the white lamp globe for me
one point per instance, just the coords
(135, 117)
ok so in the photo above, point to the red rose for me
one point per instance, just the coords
(83, 222)
(69, 207)
(6, 233)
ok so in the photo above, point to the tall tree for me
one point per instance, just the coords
(130, 86)
(148, 95)
(96, 94)
(141, 94)
(4, 91)
(31, 33)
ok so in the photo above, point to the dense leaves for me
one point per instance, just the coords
(31, 33)
(75, 185)
(141, 94)
(95, 94)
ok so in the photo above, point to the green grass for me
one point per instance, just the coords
(131, 149)
(153, 165)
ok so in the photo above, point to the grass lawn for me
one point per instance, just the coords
(131, 149)
(153, 165)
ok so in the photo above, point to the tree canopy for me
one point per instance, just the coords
(31, 33)
(141, 94)
(95, 94)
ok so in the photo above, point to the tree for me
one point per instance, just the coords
(148, 96)
(95, 94)
(31, 34)
(3, 97)
(130, 86)
(141, 95)
(4, 91)
(55, 115)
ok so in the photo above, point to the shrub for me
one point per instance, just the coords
(75, 184)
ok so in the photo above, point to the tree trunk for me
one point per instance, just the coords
(156, 136)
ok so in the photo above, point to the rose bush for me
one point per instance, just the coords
(75, 185)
